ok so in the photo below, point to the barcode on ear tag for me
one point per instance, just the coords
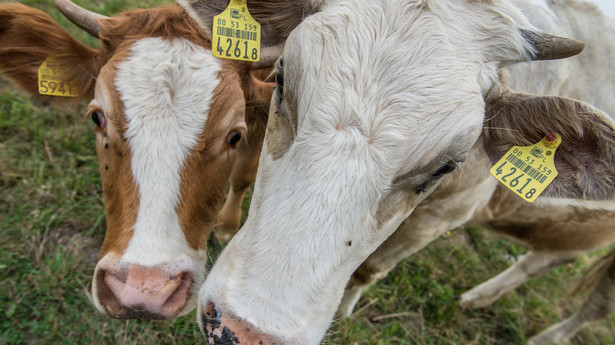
(528, 170)
(236, 35)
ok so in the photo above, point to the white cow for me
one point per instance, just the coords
(376, 102)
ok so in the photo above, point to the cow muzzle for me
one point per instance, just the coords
(222, 328)
(138, 292)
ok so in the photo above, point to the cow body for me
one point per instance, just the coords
(362, 144)
(556, 231)
(170, 119)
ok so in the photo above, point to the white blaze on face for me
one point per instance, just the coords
(166, 87)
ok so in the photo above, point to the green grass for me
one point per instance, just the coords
(52, 225)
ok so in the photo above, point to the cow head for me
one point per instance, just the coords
(376, 101)
(168, 118)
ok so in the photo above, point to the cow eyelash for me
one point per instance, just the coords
(279, 83)
(279, 80)
(445, 169)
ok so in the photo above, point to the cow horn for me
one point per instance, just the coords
(84, 19)
(549, 47)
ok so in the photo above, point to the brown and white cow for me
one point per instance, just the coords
(377, 103)
(170, 121)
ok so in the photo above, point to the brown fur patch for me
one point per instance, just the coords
(120, 192)
(167, 22)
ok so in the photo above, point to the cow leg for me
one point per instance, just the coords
(529, 266)
(242, 177)
(600, 304)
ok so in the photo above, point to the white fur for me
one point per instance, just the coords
(166, 87)
(374, 109)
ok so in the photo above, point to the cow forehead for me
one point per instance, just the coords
(386, 80)
(166, 87)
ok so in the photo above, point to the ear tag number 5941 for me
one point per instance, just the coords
(52, 80)
(528, 170)
(236, 35)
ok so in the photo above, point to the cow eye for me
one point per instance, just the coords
(279, 82)
(98, 118)
(233, 138)
(279, 77)
(445, 169)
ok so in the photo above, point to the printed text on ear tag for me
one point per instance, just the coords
(528, 170)
(52, 80)
(236, 35)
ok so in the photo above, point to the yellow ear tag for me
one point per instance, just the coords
(236, 35)
(51, 80)
(528, 170)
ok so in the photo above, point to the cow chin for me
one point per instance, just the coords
(127, 290)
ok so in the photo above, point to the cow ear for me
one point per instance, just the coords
(585, 160)
(28, 37)
(277, 18)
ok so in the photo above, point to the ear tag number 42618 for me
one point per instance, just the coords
(236, 35)
(528, 170)
(52, 80)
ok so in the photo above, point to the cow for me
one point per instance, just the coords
(386, 118)
(173, 124)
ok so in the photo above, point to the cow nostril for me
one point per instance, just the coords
(221, 328)
(210, 321)
(106, 295)
(210, 312)
(180, 296)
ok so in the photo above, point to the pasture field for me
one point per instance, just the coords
(52, 225)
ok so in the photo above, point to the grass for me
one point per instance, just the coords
(417, 302)
(52, 225)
